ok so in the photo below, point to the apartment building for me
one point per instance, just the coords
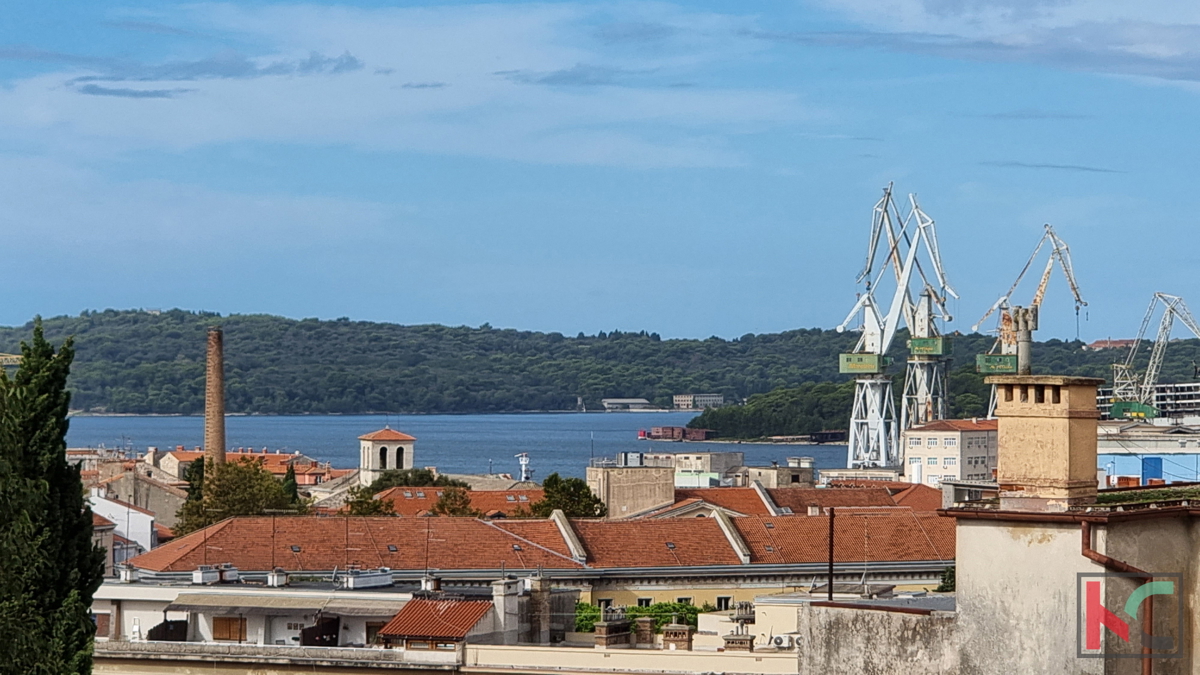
(950, 450)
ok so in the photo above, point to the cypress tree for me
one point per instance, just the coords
(290, 488)
(51, 567)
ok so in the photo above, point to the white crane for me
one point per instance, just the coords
(1011, 353)
(873, 418)
(1134, 399)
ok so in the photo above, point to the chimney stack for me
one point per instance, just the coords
(214, 399)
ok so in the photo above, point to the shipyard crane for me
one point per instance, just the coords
(1134, 399)
(1011, 353)
(872, 440)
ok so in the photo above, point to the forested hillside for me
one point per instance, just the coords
(153, 362)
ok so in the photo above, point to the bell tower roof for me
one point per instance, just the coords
(386, 434)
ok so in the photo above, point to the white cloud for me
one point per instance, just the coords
(1154, 38)
(474, 111)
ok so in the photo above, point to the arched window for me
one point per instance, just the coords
(399, 456)
(383, 459)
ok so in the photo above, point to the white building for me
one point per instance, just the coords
(612, 404)
(132, 523)
(384, 450)
(950, 450)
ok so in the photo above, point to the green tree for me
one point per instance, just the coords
(361, 501)
(586, 616)
(570, 495)
(290, 488)
(947, 584)
(664, 612)
(241, 488)
(51, 568)
(194, 475)
(455, 501)
(412, 478)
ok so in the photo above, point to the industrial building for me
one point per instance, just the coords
(950, 450)
(698, 401)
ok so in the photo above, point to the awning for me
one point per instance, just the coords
(225, 603)
(281, 605)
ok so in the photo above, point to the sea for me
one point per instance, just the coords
(561, 443)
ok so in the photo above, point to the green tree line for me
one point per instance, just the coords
(153, 362)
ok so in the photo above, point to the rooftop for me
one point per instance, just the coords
(413, 501)
(449, 619)
(959, 425)
(386, 434)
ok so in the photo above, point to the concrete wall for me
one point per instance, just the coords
(1016, 597)
(629, 490)
(590, 660)
(868, 642)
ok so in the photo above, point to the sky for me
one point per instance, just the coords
(692, 169)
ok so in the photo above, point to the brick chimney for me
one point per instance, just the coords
(214, 399)
(1047, 441)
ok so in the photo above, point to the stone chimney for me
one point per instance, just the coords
(1047, 441)
(214, 399)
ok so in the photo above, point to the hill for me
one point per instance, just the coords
(153, 362)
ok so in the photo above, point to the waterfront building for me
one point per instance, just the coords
(698, 401)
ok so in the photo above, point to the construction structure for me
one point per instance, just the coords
(1134, 397)
(873, 432)
(214, 398)
(1012, 351)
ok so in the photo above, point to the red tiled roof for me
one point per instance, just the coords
(959, 425)
(100, 521)
(919, 497)
(274, 462)
(325, 543)
(165, 533)
(742, 500)
(867, 535)
(544, 532)
(409, 501)
(447, 619)
(644, 543)
(799, 499)
(386, 434)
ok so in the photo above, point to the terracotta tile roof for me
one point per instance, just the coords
(445, 619)
(100, 521)
(322, 543)
(409, 501)
(799, 499)
(275, 462)
(386, 434)
(644, 543)
(544, 532)
(919, 497)
(743, 500)
(165, 533)
(959, 425)
(860, 535)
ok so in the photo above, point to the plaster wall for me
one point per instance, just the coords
(867, 642)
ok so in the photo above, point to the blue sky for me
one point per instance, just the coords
(692, 169)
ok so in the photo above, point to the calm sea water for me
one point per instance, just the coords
(556, 442)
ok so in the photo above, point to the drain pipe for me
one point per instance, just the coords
(1118, 566)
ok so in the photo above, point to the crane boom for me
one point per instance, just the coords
(1132, 398)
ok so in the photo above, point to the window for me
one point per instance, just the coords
(418, 644)
(724, 602)
(510, 498)
(383, 459)
(931, 442)
(522, 498)
(295, 626)
(932, 461)
(950, 461)
(950, 442)
(645, 602)
(407, 494)
(420, 494)
(770, 549)
(446, 646)
(373, 628)
(914, 460)
(604, 603)
(795, 478)
(914, 441)
(684, 601)
(229, 628)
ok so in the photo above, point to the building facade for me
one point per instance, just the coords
(950, 450)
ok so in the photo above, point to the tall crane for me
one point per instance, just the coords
(873, 430)
(1134, 399)
(1011, 353)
